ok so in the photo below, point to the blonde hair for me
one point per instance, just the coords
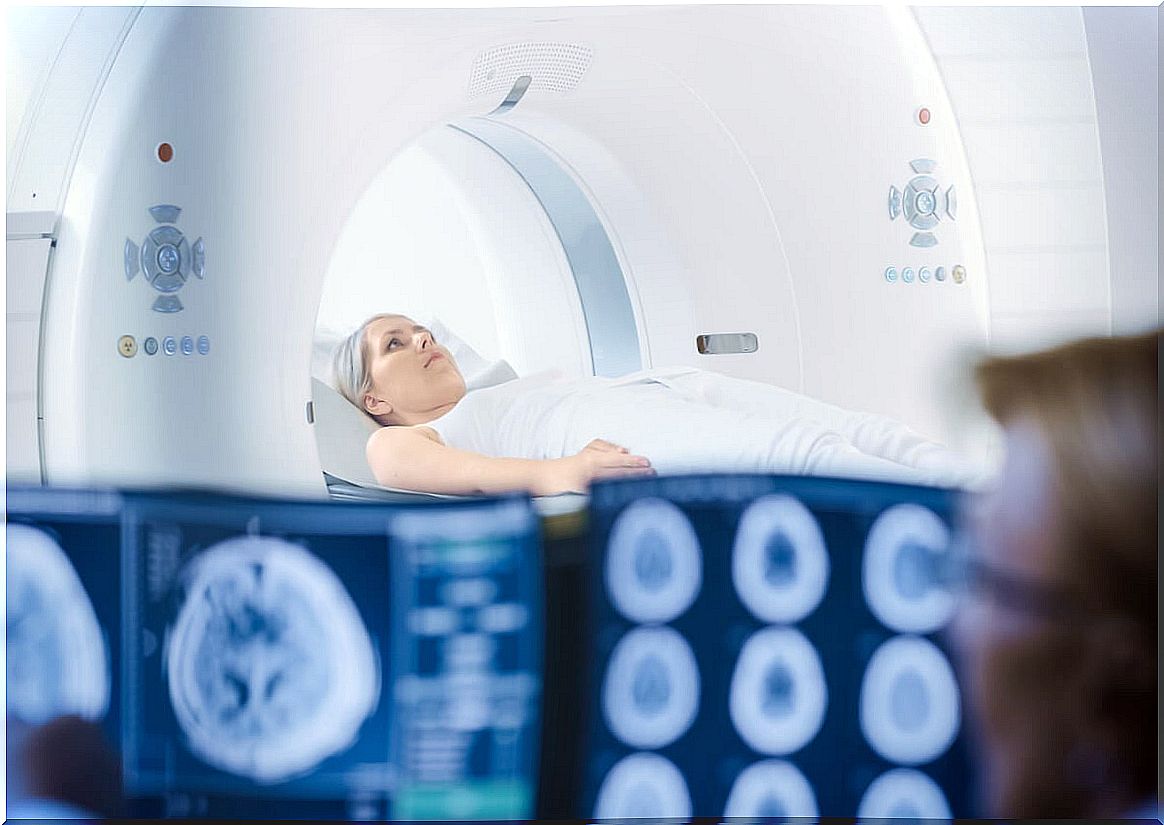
(353, 379)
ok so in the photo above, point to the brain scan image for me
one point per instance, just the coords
(651, 692)
(57, 660)
(909, 705)
(778, 694)
(653, 564)
(772, 789)
(269, 665)
(643, 785)
(780, 567)
(902, 570)
(903, 794)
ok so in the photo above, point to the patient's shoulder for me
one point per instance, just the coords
(385, 437)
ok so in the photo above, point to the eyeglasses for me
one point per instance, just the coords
(967, 574)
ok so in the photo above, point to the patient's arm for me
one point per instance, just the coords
(416, 459)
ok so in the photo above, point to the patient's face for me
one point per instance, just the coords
(414, 378)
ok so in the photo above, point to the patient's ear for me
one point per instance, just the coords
(376, 406)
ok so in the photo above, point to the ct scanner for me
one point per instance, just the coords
(776, 193)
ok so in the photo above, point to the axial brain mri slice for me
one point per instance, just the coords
(654, 566)
(902, 570)
(909, 707)
(902, 793)
(780, 565)
(57, 662)
(270, 667)
(778, 695)
(643, 785)
(772, 789)
(651, 691)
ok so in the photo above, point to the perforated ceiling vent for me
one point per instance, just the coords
(554, 67)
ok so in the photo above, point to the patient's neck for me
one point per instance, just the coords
(410, 419)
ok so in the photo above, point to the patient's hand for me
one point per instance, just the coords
(598, 459)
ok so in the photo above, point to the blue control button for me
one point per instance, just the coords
(891, 274)
(940, 274)
(907, 275)
(187, 345)
(169, 345)
(165, 213)
(923, 274)
(952, 203)
(168, 258)
(926, 202)
(131, 265)
(923, 166)
(150, 345)
(167, 303)
(923, 239)
(199, 257)
(203, 345)
(894, 203)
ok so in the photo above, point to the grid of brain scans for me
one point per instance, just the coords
(771, 647)
(62, 616)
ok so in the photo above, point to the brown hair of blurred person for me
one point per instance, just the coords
(1065, 701)
(67, 759)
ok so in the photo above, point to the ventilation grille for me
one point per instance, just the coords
(554, 67)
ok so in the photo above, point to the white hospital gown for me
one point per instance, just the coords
(687, 420)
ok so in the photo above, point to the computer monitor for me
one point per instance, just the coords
(772, 646)
(331, 660)
(63, 612)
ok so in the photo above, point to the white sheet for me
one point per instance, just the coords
(687, 420)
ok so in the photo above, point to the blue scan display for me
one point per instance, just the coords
(466, 664)
(785, 651)
(254, 635)
(274, 649)
(62, 622)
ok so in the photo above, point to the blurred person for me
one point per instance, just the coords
(63, 769)
(1057, 636)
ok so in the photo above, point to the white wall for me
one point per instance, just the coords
(1123, 48)
(1020, 83)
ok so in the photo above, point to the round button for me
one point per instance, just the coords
(925, 202)
(168, 258)
(187, 345)
(127, 346)
(169, 345)
(907, 275)
(150, 345)
(959, 274)
(203, 345)
(923, 274)
(891, 274)
(940, 273)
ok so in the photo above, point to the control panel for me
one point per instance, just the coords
(165, 258)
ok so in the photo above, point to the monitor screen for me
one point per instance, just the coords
(767, 646)
(331, 660)
(63, 611)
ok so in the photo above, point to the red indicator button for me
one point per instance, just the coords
(923, 116)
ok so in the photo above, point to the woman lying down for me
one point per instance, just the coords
(546, 434)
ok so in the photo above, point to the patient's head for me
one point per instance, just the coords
(393, 369)
(1058, 633)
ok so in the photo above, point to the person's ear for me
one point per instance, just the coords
(376, 406)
